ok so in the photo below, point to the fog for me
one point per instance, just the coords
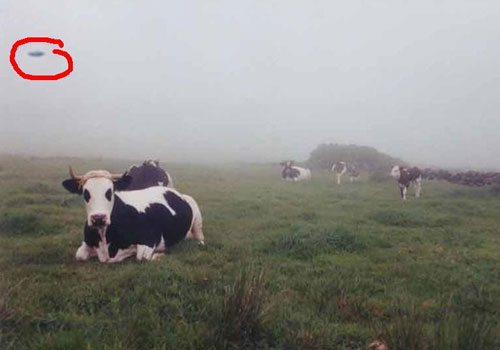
(255, 80)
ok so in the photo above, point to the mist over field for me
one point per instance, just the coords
(205, 81)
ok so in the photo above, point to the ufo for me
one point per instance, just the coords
(36, 53)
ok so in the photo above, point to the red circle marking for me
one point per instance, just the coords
(58, 42)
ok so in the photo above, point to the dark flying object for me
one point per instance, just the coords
(36, 53)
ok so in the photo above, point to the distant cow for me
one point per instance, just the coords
(147, 175)
(406, 176)
(294, 173)
(121, 223)
(341, 167)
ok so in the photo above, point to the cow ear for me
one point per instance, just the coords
(72, 186)
(123, 182)
(157, 162)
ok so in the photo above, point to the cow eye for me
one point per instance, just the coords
(109, 194)
(86, 196)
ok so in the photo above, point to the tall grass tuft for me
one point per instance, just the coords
(463, 332)
(242, 311)
(467, 322)
(460, 323)
(406, 330)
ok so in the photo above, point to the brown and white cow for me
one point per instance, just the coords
(342, 167)
(407, 176)
(293, 172)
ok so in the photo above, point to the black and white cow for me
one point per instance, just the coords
(148, 174)
(407, 176)
(122, 223)
(342, 167)
(294, 173)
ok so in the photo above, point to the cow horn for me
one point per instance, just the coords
(73, 175)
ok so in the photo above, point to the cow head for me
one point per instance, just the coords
(97, 188)
(396, 172)
(155, 163)
(287, 163)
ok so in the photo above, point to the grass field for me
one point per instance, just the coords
(286, 266)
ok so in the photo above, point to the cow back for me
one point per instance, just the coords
(148, 175)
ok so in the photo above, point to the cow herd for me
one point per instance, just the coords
(404, 176)
(141, 213)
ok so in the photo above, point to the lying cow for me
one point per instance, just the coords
(294, 173)
(147, 175)
(341, 167)
(406, 176)
(124, 223)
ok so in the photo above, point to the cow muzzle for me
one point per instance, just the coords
(98, 220)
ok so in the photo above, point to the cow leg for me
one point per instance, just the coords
(418, 187)
(84, 252)
(144, 252)
(338, 179)
(404, 190)
(123, 254)
(102, 251)
(196, 230)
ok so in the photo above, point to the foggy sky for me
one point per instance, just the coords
(255, 80)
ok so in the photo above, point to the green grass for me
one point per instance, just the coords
(286, 266)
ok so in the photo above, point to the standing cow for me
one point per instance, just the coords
(122, 223)
(294, 173)
(342, 167)
(147, 175)
(406, 176)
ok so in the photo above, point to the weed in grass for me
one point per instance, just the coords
(406, 328)
(460, 331)
(452, 326)
(467, 320)
(242, 311)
